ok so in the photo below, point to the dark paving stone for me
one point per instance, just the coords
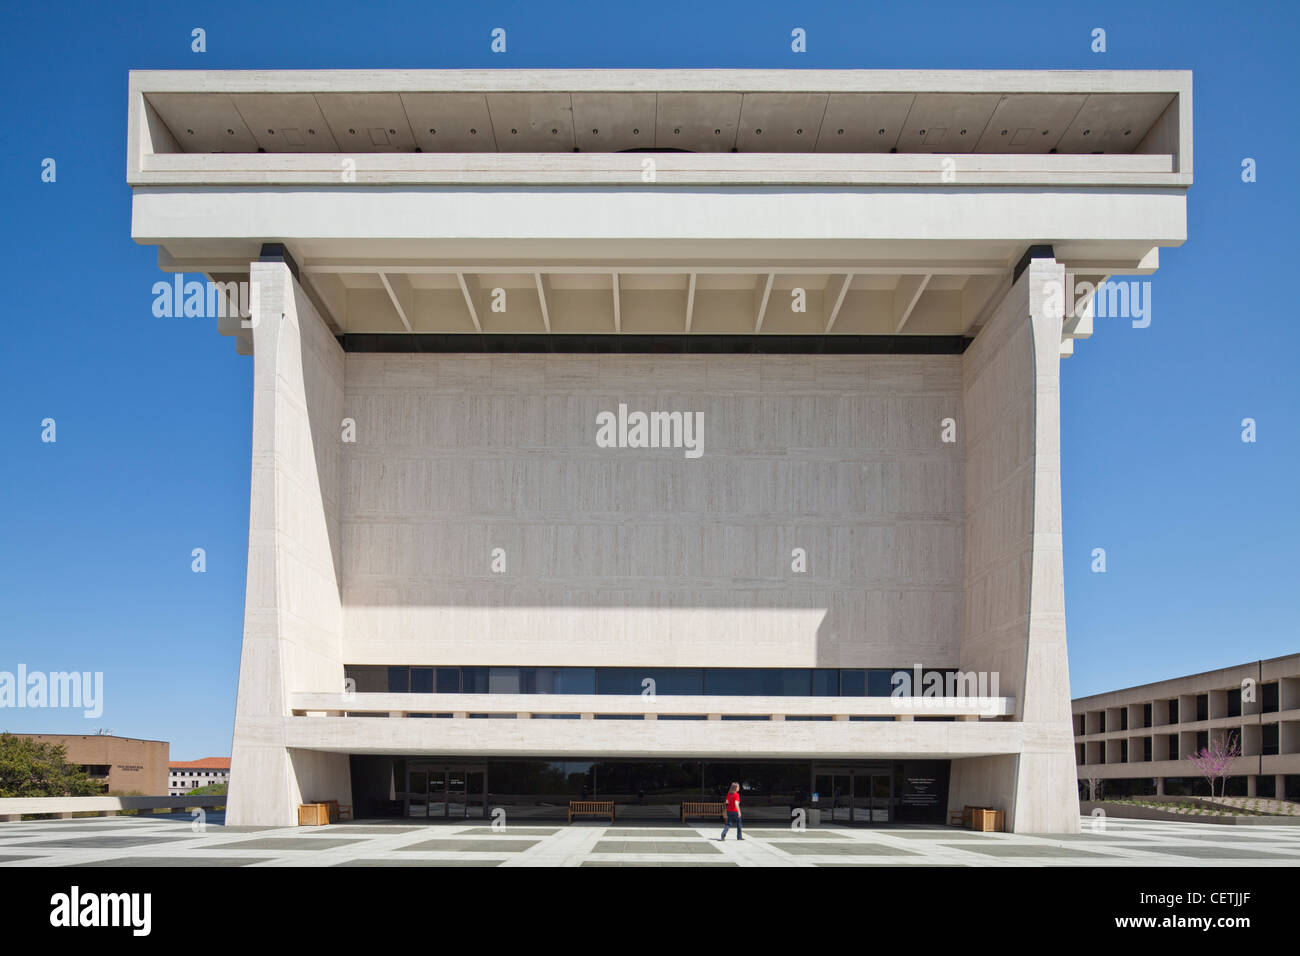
(789, 834)
(1231, 835)
(284, 843)
(169, 861)
(474, 846)
(1100, 835)
(410, 862)
(655, 846)
(889, 863)
(661, 833)
(1221, 853)
(509, 831)
(105, 842)
(938, 834)
(855, 848)
(1026, 850)
(78, 828)
(17, 859)
(366, 828)
(657, 863)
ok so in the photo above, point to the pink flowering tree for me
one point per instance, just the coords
(1215, 761)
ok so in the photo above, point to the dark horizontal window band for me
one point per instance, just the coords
(629, 681)
(658, 344)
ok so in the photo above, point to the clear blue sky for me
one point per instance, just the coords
(153, 415)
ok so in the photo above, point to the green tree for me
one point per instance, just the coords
(30, 768)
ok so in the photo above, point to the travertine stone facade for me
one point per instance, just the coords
(629, 556)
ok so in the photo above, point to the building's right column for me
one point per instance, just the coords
(1014, 619)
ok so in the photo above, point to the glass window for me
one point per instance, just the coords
(687, 681)
(1269, 741)
(448, 680)
(757, 682)
(853, 683)
(506, 680)
(474, 680)
(826, 682)
(575, 680)
(399, 680)
(369, 680)
(880, 683)
(421, 680)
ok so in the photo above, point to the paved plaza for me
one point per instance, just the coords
(172, 841)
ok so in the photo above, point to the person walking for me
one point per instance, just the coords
(733, 813)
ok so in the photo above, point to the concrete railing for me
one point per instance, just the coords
(589, 706)
(13, 808)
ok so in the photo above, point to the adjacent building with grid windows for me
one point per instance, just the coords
(1136, 741)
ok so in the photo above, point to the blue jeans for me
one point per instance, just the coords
(733, 819)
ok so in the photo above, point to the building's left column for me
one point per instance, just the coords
(293, 620)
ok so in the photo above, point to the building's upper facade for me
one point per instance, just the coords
(660, 202)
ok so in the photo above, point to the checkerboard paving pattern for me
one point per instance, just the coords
(174, 841)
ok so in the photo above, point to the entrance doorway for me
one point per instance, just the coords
(446, 791)
(853, 795)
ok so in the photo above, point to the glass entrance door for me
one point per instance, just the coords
(834, 796)
(417, 794)
(457, 806)
(852, 795)
(880, 796)
(446, 792)
(437, 793)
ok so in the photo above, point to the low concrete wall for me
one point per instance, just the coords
(13, 808)
(1126, 811)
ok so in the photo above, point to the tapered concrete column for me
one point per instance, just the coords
(292, 613)
(1014, 619)
(1160, 786)
(1252, 784)
(1279, 786)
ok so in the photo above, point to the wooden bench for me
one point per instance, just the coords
(718, 810)
(591, 808)
(960, 818)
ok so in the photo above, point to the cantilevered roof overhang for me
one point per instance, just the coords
(660, 201)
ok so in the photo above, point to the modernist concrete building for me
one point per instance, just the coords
(1136, 741)
(621, 434)
(122, 765)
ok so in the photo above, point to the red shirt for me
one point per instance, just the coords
(733, 803)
